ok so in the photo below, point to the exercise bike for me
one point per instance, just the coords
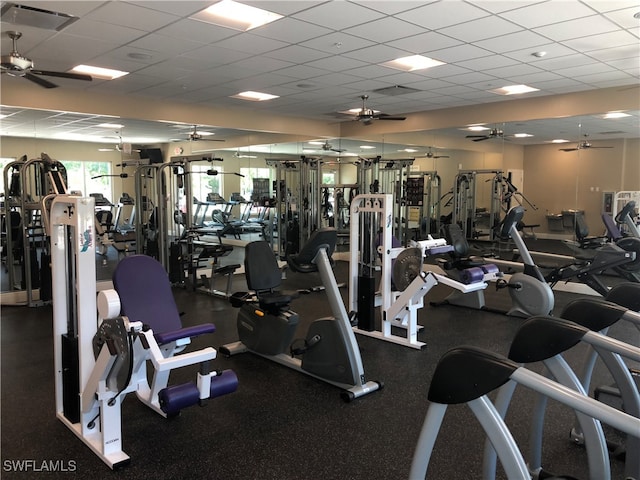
(530, 294)
(267, 326)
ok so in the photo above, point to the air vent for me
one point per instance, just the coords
(395, 90)
(35, 17)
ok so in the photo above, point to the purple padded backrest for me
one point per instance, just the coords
(612, 229)
(145, 293)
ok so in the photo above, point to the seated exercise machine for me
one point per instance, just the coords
(467, 375)
(98, 361)
(530, 294)
(404, 280)
(266, 325)
(627, 217)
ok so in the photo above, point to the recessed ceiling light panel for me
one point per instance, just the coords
(254, 96)
(514, 90)
(412, 63)
(99, 72)
(237, 16)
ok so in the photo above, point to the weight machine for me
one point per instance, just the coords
(422, 191)
(373, 248)
(98, 362)
(27, 183)
(380, 176)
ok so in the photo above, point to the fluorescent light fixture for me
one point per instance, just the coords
(308, 150)
(477, 128)
(559, 140)
(514, 90)
(204, 133)
(105, 149)
(315, 142)
(254, 96)
(367, 147)
(408, 150)
(412, 63)
(615, 115)
(99, 72)
(237, 16)
(110, 125)
(522, 135)
(2, 115)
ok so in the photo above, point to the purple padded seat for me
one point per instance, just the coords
(145, 296)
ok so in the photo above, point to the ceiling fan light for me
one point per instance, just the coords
(237, 16)
(99, 72)
(522, 135)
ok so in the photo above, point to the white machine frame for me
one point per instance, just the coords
(397, 308)
(71, 226)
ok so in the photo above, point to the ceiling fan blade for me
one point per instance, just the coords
(568, 149)
(73, 76)
(442, 156)
(40, 81)
(476, 136)
(384, 116)
(599, 147)
(480, 139)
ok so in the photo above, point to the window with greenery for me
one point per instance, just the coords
(246, 183)
(202, 184)
(79, 177)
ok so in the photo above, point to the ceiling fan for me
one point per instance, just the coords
(121, 146)
(194, 136)
(327, 147)
(581, 146)
(367, 116)
(494, 133)
(16, 65)
(431, 154)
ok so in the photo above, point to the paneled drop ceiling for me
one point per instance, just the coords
(323, 55)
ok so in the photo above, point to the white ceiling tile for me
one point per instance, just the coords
(181, 8)
(577, 28)
(486, 63)
(481, 29)
(427, 41)
(71, 49)
(215, 55)
(499, 6)
(513, 71)
(196, 31)
(546, 13)
(385, 30)
(296, 54)
(582, 70)
(470, 78)
(302, 72)
(338, 15)
(631, 65)
(625, 18)
(104, 31)
(162, 43)
(553, 50)
(611, 39)
(283, 7)
(337, 43)
(389, 7)
(606, 79)
(263, 64)
(565, 61)
(249, 43)
(290, 30)
(335, 79)
(513, 41)
(128, 15)
(375, 54)
(458, 53)
(336, 63)
(610, 5)
(442, 14)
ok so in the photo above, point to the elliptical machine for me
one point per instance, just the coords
(267, 326)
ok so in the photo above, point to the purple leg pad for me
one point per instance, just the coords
(222, 384)
(490, 268)
(175, 398)
(472, 275)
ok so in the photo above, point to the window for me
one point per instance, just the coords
(246, 183)
(79, 177)
(3, 162)
(202, 185)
